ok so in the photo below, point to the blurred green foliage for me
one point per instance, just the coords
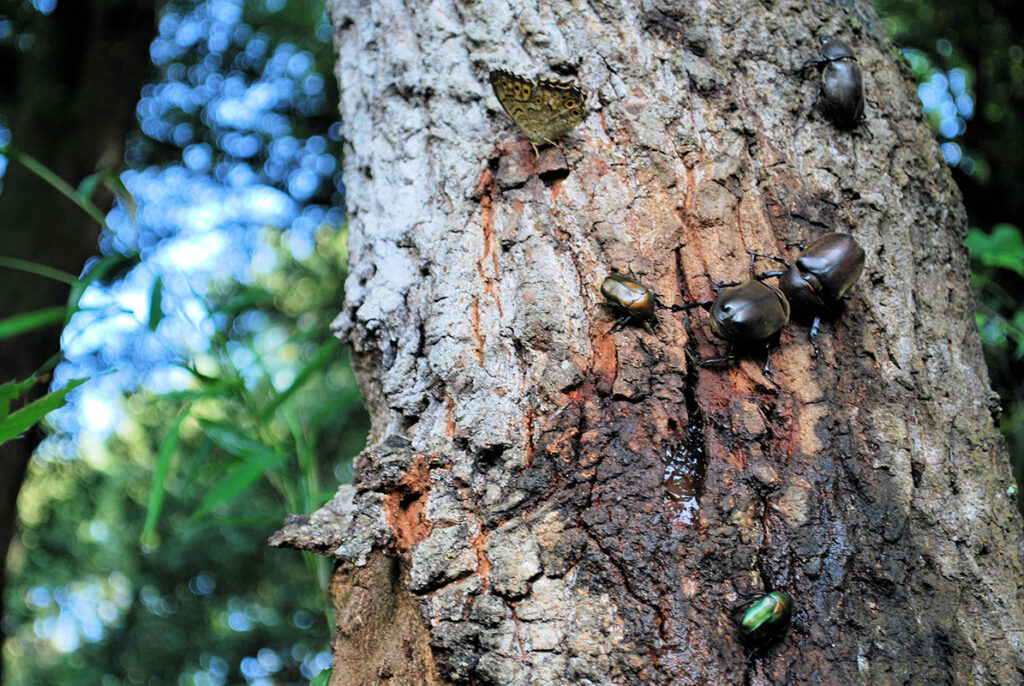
(968, 59)
(983, 42)
(141, 555)
(15, 423)
(201, 475)
(997, 265)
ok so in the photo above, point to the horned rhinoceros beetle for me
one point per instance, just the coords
(630, 299)
(766, 618)
(743, 314)
(822, 276)
(841, 90)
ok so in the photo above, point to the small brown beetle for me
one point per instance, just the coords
(630, 299)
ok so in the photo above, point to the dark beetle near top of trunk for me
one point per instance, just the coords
(842, 84)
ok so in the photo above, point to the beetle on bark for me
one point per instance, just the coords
(630, 300)
(743, 314)
(766, 618)
(822, 276)
(841, 89)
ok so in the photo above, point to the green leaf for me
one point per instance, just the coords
(251, 298)
(24, 419)
(88, 186)
(1002, 248)
(58, 184)
(195, 461)
(11, 390)
(236, 481)
(257, 460)
(113, 183)
(157, 489)
(324, 356)
(20, 323)
(156, 311)
(38, 269)
(232, 440)
(322, 679)
(211, 389)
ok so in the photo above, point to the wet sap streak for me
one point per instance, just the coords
(684, 473)
(687, 461)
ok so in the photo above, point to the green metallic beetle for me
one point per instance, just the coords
(630, 299)
(766, 619)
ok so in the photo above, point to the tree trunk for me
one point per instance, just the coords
(71, 100)
(566, 504)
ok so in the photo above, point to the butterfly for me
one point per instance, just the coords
(545, 109)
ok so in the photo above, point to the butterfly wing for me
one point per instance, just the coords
(545, 109)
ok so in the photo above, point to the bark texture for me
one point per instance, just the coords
(570, 505)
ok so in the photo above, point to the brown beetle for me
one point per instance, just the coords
(742, 314)
(823, 275)
(630, 299)
(842, 84)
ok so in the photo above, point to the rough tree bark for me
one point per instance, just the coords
(544, 501)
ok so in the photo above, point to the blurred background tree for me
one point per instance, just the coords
(56, 68)
(218, 400)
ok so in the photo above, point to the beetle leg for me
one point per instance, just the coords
(685, 307)
(620, 324)
(862, 123)
(765, 275)
(715, 360)
(814, 332)
(767, 362)
(816, 63)
(810, 112)
(674, 308)
(753, 597)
